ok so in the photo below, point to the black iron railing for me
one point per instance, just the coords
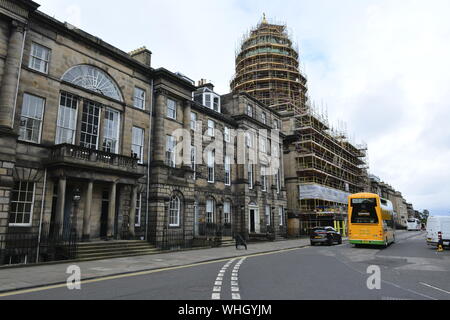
(18, 247)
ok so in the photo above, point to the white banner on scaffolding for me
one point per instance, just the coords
(314, 191)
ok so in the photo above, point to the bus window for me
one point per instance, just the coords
(364, 211)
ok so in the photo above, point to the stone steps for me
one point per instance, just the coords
(114, 249)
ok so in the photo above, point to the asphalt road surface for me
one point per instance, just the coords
(409, 270)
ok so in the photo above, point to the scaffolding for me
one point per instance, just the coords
(267, 67)
(326, 158)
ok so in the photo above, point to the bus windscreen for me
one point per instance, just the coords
(364, 211)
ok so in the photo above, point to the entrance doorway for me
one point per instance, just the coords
(254, 220)
(104, 215)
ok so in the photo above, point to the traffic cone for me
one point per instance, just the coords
(440, 243)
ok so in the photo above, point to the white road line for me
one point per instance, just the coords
(234, 281)
(435, 288)
(217, 289)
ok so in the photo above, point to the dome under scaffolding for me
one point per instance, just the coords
(268, 68)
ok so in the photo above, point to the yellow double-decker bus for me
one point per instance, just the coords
(371, 220)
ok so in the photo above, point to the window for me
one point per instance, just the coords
(276, 124)
(137, 144)
(211, 128)
(250, 110)
(211, 162)
(262, 144)
(94, 79)
(31, 119)
(174, 212)
(170, 151)
(208, 100)
(364, 211)
(22, 200)
(249, 139)
(278, 181)
(139, 98)
(194, 161)
(228, 170)
(210, 211)
(250, 176)
(281, 214)
(227, 134)
(193, 121)
(268, 222)
(227, 212)
(137, 218)
(264, 178)
(171, 109)
(264, 118)
(67, 119)
(90, 125)
(111, 131)
(216, 104)
(39, 58)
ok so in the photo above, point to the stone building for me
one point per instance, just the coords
(93, 143)
(75, 126)
(198, 184)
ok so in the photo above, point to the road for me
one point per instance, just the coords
(409, 271)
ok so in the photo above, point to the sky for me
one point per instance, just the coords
(380, 66)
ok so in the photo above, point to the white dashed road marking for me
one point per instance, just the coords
(218, 284)
(235, 295)
(217, 289)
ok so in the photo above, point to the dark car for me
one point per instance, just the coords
(327, 235)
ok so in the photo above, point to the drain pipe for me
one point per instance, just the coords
(44, 189)
(149, 158)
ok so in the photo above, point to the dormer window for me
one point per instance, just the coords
(208, 98)
(216, 104)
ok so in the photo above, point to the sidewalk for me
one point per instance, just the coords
(36, 276)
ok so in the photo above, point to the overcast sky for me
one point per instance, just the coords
(381, 66)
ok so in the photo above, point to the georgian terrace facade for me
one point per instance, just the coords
(86, 142)
(77, 143)
(206, 171)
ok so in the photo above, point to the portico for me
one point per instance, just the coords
(96, 204)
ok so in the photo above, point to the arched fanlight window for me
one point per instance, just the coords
(174, 211)
(92, 78)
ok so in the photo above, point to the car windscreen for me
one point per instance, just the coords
(364, 211)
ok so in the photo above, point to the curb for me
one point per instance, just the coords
(150, 269)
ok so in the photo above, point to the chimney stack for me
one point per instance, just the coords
(143, 55)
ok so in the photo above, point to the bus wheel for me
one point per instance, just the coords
(386, 243)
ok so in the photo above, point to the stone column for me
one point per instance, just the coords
(8, 90)
(160, 139)
(187, 140)
(112, 210)
(60, 204)
(87, 212)
(132, 214)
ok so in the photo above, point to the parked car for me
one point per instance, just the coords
(327, 235)
(438, 226)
